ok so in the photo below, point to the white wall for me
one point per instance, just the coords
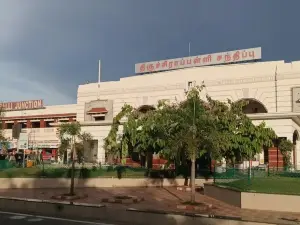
(237, 81)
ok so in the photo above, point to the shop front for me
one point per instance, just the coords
(49, 148)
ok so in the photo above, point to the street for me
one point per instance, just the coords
(8, 218)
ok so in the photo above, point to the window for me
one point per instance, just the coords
(99, 118)
(36, 124)
(9, 126)
(47, 123)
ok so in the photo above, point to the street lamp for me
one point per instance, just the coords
(193, 158)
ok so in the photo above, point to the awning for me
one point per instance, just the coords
(97, 111)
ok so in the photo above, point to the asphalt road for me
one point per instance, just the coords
(26, 219)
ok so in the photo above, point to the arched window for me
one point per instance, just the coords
(254, 106)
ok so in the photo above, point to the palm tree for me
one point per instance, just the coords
(71, 137)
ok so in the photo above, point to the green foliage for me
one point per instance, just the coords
(236, 138)
(185, 130)
(2, 138)
(286, 147)
(112, 144)
(70, 135)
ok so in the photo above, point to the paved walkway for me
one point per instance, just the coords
(165, 199)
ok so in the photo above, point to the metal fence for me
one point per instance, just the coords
(11, 170)
(260, 179)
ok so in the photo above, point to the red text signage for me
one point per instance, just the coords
(23, 105)
(200, 60)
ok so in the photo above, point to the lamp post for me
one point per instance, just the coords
(193, 158)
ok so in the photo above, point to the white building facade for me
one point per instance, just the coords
(271, 88)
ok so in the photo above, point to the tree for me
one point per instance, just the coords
(185, 131)
(3, 140)
(238, 138)
(112, 143)
(71, 137)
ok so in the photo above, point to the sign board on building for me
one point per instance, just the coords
(296, 99)
(23, 105)
(23, 141)
(200, 60)
(34, 144)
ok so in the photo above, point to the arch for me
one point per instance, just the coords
(145, 108)
(295, 139)
(254, 106)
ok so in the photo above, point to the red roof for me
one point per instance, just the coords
(97, 110)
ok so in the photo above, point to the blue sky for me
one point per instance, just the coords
(49, 47)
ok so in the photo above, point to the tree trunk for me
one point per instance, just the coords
(149, 159)
(193, 173)
(72, 192)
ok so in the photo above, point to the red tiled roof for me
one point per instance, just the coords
(97, 110)
(45, 116)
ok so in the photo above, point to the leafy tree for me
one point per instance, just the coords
(185, 131)
(112, 143)
(71, 137)
(237, 137)
(4, 143)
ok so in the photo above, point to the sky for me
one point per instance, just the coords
(49, 47)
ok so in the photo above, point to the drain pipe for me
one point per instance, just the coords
(276, 90)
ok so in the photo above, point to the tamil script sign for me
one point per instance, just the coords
(12, 106)
(200, 60)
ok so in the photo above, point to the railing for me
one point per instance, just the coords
(260, 179)
(33, 131)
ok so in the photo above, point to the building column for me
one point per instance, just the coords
(297, 155)
(28, 124)
(101, 152)
(42, 123)
(4, 125)
(71, 119)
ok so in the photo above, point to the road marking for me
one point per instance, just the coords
(17, 217)
(52, 218)
(35, 220)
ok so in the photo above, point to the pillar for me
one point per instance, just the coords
(42, 123)
(297, 155)
(4, 125)
(28, 124)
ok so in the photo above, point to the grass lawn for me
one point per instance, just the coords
(271, 185)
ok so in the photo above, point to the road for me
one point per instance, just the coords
(8, 218)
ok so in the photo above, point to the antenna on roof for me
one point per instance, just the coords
(99, 72)
(189, 48)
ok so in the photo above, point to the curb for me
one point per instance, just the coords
(99, 212)
(185, 214)
(194, 207)
(54, 202)
(130, 200)
(188, 189)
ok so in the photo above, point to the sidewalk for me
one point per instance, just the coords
(159, 199)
